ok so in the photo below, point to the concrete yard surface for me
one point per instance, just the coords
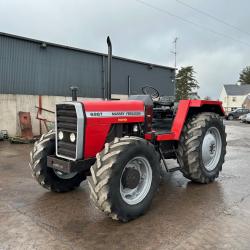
(183, 215)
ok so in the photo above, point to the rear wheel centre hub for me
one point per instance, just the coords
(130, 178)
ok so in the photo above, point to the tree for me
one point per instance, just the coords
(185, 83)
(245, 76)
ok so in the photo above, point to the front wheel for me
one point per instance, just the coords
(202, 147)
(125, 177)
(47, 177)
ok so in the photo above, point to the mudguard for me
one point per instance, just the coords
(185, 109)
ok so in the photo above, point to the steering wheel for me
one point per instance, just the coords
(148, 90)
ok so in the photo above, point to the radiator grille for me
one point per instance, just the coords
(67, 123)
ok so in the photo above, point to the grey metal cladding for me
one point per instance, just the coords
(141, 75)
(28, 68)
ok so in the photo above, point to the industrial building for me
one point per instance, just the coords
(37, 73)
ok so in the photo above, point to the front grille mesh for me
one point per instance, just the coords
(67, 123)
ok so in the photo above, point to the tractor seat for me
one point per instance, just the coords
(164, 103)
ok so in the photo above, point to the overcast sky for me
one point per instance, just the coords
(217, 51)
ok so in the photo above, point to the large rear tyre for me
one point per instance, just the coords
(47, 177)
(125, 177)
(202, 147)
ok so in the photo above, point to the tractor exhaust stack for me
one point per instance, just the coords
(108, 90)
(74, 90)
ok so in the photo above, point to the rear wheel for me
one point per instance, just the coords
(125, 178)
(202, 147)
(47, 177)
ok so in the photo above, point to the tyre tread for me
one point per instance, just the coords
(38, 166)
(101, 174)
(190, 143)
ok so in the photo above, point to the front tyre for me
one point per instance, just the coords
(202, 147)
(125, 178)
(47, 177)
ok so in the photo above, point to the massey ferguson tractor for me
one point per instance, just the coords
(120, 147)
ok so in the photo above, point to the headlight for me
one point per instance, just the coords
(60, 135)
(72, 137)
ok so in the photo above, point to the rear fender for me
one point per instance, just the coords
(186, 109)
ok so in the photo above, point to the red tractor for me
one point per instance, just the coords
(121, 146)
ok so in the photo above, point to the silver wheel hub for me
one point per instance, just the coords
(63, 175)
(135, 181)
(211, 148)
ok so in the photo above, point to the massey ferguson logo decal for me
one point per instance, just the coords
(113, 114)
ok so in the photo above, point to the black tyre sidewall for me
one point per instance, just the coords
(119, 206)
(219, 125)
(51, 180)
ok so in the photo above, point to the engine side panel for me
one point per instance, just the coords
(100, 115)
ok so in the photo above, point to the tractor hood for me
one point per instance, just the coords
(101, 115)
(116, 110)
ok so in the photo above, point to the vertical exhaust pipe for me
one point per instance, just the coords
(109, 68)
(74, 90)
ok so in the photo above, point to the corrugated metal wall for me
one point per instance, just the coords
(141, 75)
(28, 68)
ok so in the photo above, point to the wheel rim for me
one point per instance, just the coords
(211, 148)
(135, 195)
(230, 117)
(63, 175)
